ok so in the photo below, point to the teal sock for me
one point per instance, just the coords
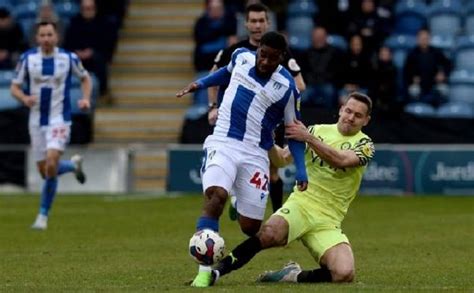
(47, 195)
(65, 166)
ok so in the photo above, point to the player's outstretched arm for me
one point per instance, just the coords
(190, 88)
(335, 158)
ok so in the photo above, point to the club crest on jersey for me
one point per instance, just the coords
(277, 85)
(346, 145)
(244, 61)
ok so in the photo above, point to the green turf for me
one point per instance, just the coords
(110, 244)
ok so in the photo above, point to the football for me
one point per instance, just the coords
(206, 247)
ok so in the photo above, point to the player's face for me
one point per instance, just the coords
(257, 25)
(267, 60)
(47, 37)
(352, 117)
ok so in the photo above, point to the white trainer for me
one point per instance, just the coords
(41, 222)
(78, 172)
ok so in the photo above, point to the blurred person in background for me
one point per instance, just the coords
(46, 72)
(321, 66)
(383, 85)
(426, 71)
(12, 40)
(92, 39)
(357, 70)
(213, 31)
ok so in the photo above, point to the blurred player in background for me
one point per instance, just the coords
(46, 73)
(260, 94)
(257, 23)
(336, 158)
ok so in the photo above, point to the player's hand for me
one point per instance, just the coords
(302, 185)
(296, 131)
(30, 101)
(212, 116)
(84, 104)
(192, 87)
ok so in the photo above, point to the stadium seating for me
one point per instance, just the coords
(469, 19)
(445, 18)
(455, 110)
(338, 41)
(464, 54)
(409, 17)
(298, 8)
(25, 15)
(445, 43)
(420, 109)
(299, 32)
(461, 88)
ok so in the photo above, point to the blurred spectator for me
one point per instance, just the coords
(370, 26)
(425, 72)
(92, 39)
(321, 71)
(357, 69)
(212, 32)
(329, 10)
(11, 40)
(46, 13)
(114, 11)
(383, 88)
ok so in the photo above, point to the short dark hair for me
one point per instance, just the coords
(45, 23)
(363, 99)
(274, 40)
(256, 7)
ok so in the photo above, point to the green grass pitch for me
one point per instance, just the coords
(137, 243)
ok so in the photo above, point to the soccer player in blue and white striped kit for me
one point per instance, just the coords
(46, 72)
(260, 94)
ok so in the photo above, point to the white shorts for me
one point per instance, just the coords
(48, 137)
(239, 168)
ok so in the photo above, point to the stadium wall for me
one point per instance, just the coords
(395, 169)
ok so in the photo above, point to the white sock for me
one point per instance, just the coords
(203, 268)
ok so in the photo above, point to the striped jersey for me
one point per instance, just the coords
(49, 79)
(253, 106)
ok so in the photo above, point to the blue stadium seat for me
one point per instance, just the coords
(66, 9)
(298, 8)
(338, 41)
(420, 109)
(445, 18)
(409, 17)
(400, 45)
(464, 54)
(461, 87)
(455, 110)
(299, 31)
(469, 19)
(6, 4)
(445, 43)
(25, 15)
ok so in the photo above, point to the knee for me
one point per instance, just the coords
(249, 229)
(343, 275)
(215, 198)
(51, 168)
(269, 237)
